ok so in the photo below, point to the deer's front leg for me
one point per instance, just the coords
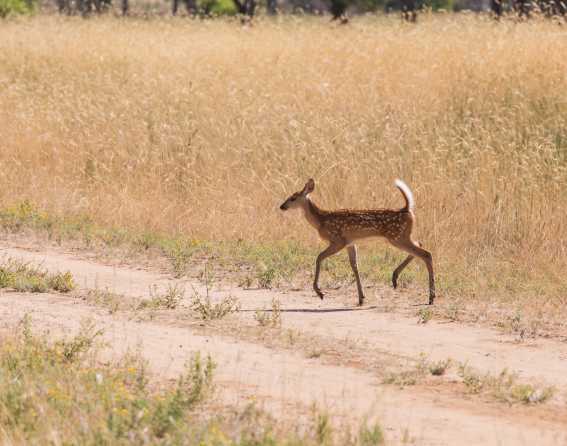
(333, 248)
(352, 256)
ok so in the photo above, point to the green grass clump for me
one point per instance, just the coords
(168, 300)
(207, 310)
(25, 277)
(503, 386)
(105, 298)
(438, 368)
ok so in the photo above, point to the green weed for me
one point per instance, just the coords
(208, 311)
(503, 387)
(424, 315)
(168, 300)
(439, 368)
(114, 302)
(25, 277)
(371, 436)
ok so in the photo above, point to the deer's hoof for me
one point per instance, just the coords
(394, 280)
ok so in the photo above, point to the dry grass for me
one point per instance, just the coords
(203, 128)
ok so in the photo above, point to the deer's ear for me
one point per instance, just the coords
(309, 187)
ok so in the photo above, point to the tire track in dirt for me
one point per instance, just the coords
(282, 380)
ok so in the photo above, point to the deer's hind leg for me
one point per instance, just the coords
(405, 243)
(401, 267)
(352, 257)
(399, 270)
(332, 249)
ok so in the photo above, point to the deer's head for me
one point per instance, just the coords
(298, 199)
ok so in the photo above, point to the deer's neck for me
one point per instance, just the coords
(312, 213)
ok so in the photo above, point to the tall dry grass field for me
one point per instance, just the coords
(205, 127)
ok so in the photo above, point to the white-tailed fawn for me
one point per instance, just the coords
(343, 228)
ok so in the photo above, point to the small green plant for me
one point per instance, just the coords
(198, 380)
(402, 379)
(105, 298)
(314, 354)
(323, 429)
(207, 310)
(473, 381)
(246, 282)
(206, 277)
(5, 278)
(439, 368)
(528, 394)
(62, 282)
(79, 344)
(169, 300)
(180, 253)
(424, 315)
(418, 371)
(503, 387)
(371, 436)
(270, 318)
(267, 277)
(30, 284)
(25, 277)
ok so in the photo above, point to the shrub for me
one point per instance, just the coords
(15, 7)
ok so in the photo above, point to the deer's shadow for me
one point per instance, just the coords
(313, 310)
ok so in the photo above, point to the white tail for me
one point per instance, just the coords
(408, 195)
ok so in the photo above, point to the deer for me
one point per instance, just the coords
(345, 227)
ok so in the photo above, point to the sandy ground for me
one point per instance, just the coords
(288, 382)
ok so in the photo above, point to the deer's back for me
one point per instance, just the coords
(351, 225)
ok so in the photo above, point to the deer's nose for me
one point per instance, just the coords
(283, 207)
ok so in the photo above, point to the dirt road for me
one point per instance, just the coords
(282, 379)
